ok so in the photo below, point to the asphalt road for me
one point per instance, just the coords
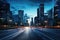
(30, 34)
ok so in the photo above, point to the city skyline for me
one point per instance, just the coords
(29, 5)
(29, 19)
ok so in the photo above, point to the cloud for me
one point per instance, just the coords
(29, 2)
(39, 1)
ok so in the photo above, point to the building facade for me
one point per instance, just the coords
(4, 8)
(21, 15)
(57, 12)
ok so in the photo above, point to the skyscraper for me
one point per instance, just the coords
(50, 17)
(26, 17)
(57, 12)
(58, 7)
(41, 9)
(21, 15)
(38, 12)
(51, 14)
(36, 21)
(16, 19)
(32, 22)
(41, 14)
(4, 8)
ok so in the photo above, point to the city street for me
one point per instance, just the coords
(28, 33)
(29, 19)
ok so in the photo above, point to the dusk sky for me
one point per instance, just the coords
(29, 6)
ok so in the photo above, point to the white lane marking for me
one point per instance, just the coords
(12, 35)
(46, 35)
(8, 31)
